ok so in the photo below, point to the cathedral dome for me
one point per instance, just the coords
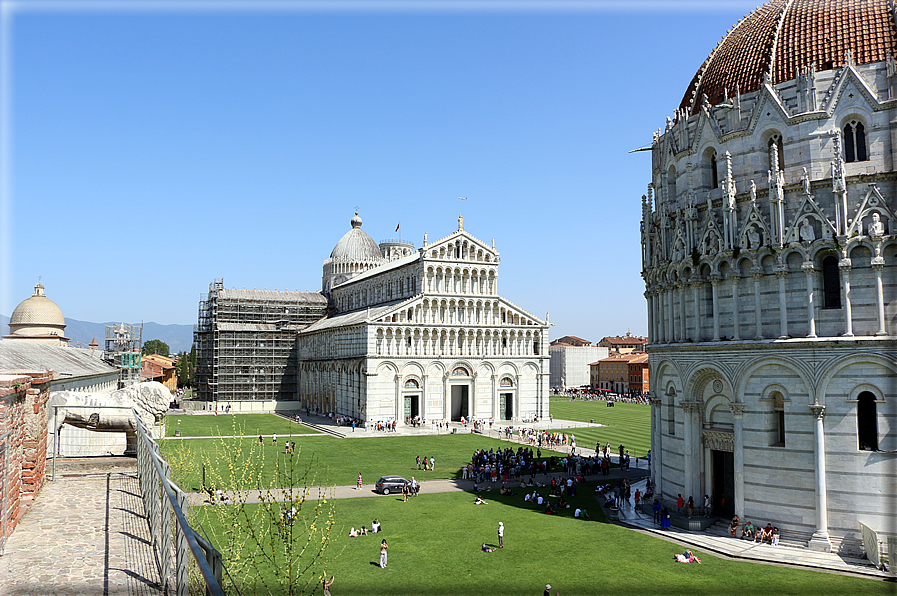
(783, 37)
(356, 246)
(37, 310)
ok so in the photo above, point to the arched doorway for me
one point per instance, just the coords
(460, 394)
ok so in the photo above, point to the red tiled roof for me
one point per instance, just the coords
(783, 36)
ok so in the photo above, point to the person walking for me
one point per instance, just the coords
(358, 482)
(274, 439)
(501, 535)
(383, 547)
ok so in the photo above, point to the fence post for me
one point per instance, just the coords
(182, 560)
(165, 515)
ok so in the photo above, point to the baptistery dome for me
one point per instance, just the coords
(784, 37)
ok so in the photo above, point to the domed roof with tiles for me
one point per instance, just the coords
(356, 246)
(37, 310)
(783, 37)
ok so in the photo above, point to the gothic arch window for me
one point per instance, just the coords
(867, 422)
(778, 419)
(831, 283)
(855, 142)
(714, 172)
(776, 139)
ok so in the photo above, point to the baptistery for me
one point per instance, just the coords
(768, 255)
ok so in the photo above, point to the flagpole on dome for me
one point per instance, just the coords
(399, 225)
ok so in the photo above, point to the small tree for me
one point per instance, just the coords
(156, 346)
(276, 546)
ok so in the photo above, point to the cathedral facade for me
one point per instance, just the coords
(770, 267)
(422, 334)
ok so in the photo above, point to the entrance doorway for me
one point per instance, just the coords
(723, 470)
(459, 402)
(412, 407)
(506, 406)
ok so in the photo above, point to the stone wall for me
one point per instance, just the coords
(23, 443)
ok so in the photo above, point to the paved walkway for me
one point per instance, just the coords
(750, 551)
(82, 536)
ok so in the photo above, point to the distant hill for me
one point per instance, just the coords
(178, 337)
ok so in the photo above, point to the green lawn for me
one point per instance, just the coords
(206, 425)
(434, 548)
(336, 461)
(627, 424)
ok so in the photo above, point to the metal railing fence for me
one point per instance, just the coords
(161, 499)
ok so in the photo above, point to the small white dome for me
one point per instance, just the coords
(356, 246)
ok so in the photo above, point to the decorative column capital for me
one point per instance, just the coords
(808, 267)
(690, 406)
(878, 263)
(715, 278)
(818, 411)
(845, 265)
(756, 273)
(737, 409)
(734, 278)
(781, 271)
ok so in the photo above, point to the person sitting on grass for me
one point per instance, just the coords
(375, 526)
(480, 501)
(748, 531)
(581, 513)
(487, 549)
(561, 504)
(353, 533)
(688, 557)
(548, 509)
(364, 531)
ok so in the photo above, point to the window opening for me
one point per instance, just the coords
(855, 142)
(867, 423)
(831, 283)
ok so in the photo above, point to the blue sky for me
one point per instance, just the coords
(151, 147)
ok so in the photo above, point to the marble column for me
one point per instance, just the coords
(696, 290)
(810, 270)
(844, 265)
(671, 327)
(736, 315)
(683, 323)
(782, 273)
(656, 443)
(714, 283)
(756, 274)
(820, 540)
(738, 453)
(878, 264)
(649, 302)
(690, 453)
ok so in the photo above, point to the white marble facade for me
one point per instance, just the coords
(770, 267)
(425, 334)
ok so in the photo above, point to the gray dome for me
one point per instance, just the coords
(37, 310)
(356, 246)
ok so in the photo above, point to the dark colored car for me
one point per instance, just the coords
(392, 484)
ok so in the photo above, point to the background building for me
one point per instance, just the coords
(769, 264)
(570, 359)
(624, 344)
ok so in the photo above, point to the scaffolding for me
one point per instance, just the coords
(122, 350)
(246, 342)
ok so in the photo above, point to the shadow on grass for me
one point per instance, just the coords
(586, 497)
